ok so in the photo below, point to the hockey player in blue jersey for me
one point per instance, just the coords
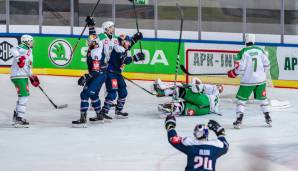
(93, 80)
(115, 83)
(201, 153)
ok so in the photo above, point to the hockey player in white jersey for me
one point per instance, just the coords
(251, 64)
(21, 70)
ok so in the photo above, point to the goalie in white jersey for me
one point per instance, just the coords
(21, 70)
(252, 63)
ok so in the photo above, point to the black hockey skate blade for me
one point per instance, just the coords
(79, 125)
(62, 106)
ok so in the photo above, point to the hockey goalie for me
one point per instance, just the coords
(195, 99)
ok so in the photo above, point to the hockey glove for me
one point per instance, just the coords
(170, 122)
(216, 127)
(83, 79)
(135, 38)
(90, 21)
(232, 73)
(34, 80)
(21, 61)
(139, 57)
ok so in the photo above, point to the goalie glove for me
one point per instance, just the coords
(83, 79)
(90, 21)
(216, 127)
(139, 57)
(34, 80)
(170, 122)
(232, 73)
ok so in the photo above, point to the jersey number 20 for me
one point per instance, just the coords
(203, 162)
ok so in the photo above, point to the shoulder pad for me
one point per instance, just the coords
(14, 51)
(96, 53)
(119, 49)
(102, 36)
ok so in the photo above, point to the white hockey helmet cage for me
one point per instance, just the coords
(26, 39)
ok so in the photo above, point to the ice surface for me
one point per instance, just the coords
(138, 143)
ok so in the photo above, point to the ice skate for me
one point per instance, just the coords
(268, 119)
(97, 119)
(14, 118)
(81, 123)
(106, 117)
(238, 122)
(121, 115)
(21, 123)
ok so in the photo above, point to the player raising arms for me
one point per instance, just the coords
(21, 70)
(195, 98)
(115, 83)
(95, 78)
(201, 153)
(252, 64)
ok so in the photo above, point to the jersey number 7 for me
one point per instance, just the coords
(255, 63)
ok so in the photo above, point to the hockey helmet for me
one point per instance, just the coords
(175, 108)
(201, 131)
(108, 27)
(27, 40)
(124, 41)
(93, 40)
(250, 38)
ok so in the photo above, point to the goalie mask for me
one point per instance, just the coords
(175, 108)
(201, 132)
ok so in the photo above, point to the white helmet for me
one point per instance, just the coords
(250, 38)
(93, 40)
(201, 131)
(107, 24)
(26, 39)
(166, 109)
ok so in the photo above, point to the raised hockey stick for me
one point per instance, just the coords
(137, 23)
(181, 15)
(76, 45)
(186, 72)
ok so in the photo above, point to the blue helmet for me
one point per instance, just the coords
(201, 131)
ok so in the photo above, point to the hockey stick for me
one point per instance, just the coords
(56, 106)
(137, 23)
(134, 83)
(41, 89)
(179, 45)
(76, 45)
(186, 72)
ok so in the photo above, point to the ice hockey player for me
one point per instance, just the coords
(201, 153)
(93, 80)
(108, 38)
(251, 64)
(195, 98)
(21, 70)
(115, 84)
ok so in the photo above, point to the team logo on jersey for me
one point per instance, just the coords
(190, 112)
(60, 52)
(6, 43)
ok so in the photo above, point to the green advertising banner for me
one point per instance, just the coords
(54, 52)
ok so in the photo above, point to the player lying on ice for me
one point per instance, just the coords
(201, 153)
(194, 99)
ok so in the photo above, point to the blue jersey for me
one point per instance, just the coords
(95, 61)
(119, 57)
(201, 155)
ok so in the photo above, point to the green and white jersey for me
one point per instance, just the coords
(18, 52)
(252, 64)
(108, 44)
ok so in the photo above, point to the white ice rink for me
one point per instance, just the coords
(140, 142)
